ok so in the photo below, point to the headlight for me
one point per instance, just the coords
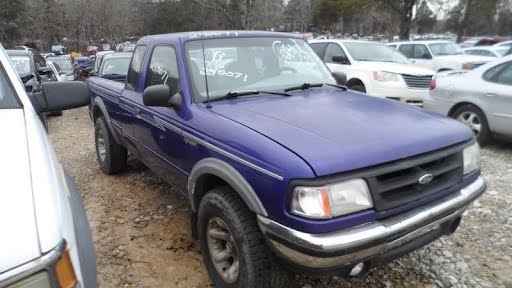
(467, 66)
(471, 158)
(385, 76)
(331, 200)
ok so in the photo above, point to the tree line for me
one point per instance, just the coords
(79, 23)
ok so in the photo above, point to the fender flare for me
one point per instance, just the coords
(98, 103)
(229, 174)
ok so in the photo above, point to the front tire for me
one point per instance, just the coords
(111, 156)
(234, 250)
(475, 119)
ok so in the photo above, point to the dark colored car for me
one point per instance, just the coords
(114, 66)
(86, 65)
(488, 41)
(278, 161)
(68, 66)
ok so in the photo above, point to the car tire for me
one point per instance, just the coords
(229, 231)
(111, 156)
(475, 119)
(358, 88)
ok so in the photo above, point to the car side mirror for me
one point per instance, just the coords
(339, 59)
(162, 96)
(341, 78)
(57, 96)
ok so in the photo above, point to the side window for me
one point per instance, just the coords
(163, 68)
(505, 76)
(490, 74)
(319, 49)
(487, 53)
(334, 50)
(406, 49)
(135, 65)
(421, 52)
(471, 52)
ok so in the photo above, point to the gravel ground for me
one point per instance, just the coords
(142, 235)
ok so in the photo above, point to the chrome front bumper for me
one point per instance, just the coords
(360, 243)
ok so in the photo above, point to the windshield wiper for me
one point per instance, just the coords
(236, 94)
(303, 87)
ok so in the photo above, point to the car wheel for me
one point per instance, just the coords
(359, 88)
(111, 156)
(234, 250)
(475, 119)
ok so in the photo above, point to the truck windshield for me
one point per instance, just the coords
(443, 49)
(252, 64)
(7, 98)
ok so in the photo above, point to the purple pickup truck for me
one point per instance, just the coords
(283, 167)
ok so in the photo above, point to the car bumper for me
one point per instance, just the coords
(410, 96)
(372, 243)
(438, 106)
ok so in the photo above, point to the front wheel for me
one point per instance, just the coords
(234, 250)
(475, 119)
(111, 156)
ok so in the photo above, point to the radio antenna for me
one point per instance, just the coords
(208, 104)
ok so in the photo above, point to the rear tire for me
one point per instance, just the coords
(475, 119)
(111, 156)
(229, 231)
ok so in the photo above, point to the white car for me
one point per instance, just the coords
(59, 74)
(481, 99)
(438, 55)
(45, 236)
(375, 69)
(488, 51)
(504, 43)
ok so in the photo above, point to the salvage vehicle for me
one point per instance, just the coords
(114, 66)
(282, 166)
(481, 99)
(46, 239)
(438, 55)
(68, 65)
(99, 57)
(375, 69)
(86, 65)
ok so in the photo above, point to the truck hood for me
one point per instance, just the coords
(464, 58)
(395, 68)
(336, 131)
(19, 241)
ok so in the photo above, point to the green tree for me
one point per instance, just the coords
(425, 19)
(404, 9)
(11, 20)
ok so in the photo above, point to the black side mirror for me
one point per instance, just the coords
(57, 96)
(341, 78)
(162, 96)
(339, 59)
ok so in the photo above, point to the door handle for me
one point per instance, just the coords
(491, 94)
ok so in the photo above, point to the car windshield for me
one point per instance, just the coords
(252, 64)
(115, 66)
(374, 52)
(7, 98)
(443, 49)
(64, 64)
(22, 65)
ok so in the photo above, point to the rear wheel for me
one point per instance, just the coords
(234, 250)
(475, 119)
(111, 156)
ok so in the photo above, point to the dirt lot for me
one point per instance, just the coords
(142, 235)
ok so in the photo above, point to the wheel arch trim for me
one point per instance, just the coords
(98, 103)
(231, 176)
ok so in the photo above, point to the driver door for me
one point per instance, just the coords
(336, 59)
(421, 56)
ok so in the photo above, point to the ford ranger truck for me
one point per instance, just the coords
(282, 166)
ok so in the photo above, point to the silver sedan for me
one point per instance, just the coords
(481, 99)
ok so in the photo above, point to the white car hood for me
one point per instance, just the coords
(19, 242)
(395, 68)
(464, 58)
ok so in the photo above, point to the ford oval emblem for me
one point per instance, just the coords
(425, 178)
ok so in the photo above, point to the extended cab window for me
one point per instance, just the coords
(163, 68)
(135, 65)
(406, 49)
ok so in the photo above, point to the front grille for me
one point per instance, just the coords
(397, 184)
(417, 82)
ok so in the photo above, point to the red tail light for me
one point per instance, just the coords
(432, 85)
